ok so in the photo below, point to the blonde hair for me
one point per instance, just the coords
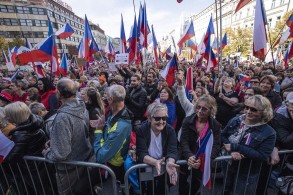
(17, 112)
(266, 106)
(211, 101)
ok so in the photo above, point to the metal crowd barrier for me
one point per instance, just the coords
(36, 175)
(219, 176)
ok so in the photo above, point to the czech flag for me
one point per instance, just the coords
(168, 73)
(133, 42)
(241, 4)
(109, 49)
(205, 152)
(259, 32)
(65, 31)
(13, 55)
(122, 37)
(88, 36)
(14, 75)
(155, 46)
(288, 33)
(207, 40)
(212, 62)
(39, 70)
(64, 66)
(191, 44)
(224, 41)
(189, 33)
(244, 79)
(6, 146)
(50, 27)
(168, 50)
(286, 57)
(144, 28)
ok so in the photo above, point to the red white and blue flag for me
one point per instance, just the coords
(191, 44)
(6, 146)
(259, 32)
(288, 55)
(212, 61)
(39, 70)
(122, 37)
(244, 79)
(189, 33)
(224, 41)
(168, 73)
(109, 49)
(144, 28)
(205, 152)
(28, 44)
(65, 31)
(84, 49)
(288, 33)
(64, 66)
(133, 42)
(155, 46)
(50, 27)
(167, 51)
(13, 55)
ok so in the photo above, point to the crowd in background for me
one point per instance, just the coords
(132, 115)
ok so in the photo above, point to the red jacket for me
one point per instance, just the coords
(45, 98)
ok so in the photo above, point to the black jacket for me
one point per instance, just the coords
(29, 139)
(152, 91)
(275, 99)
(143, 140)
(136, 101)
(189, 137)
(284, 129)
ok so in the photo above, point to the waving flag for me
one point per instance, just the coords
(160, 54)
(155, 46)
(207, 40)
(6, 146)
(212, 61)
(50, 27)
(83, 48)
(109, 49)
(65, 31)
(205, 152)
(144, 28)
(288, 33)
(224, 41)
(28, 44)
(191, 44)
(9, 64)
(286, 57)
(215, 44)
(122, 37)
(168, 73)
(39, 70)
(241, 4)
(168, 50)
(64, 67)
(189, 33)
(244, 79)
(133, 42)
(4, 56)
(259, 32)
(13, 55)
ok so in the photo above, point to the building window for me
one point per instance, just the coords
(7, 21)
(278, 18)
(50, 13)
(38, 11)
(14, 22)
(57, 16)
(38, 34)
(270, 22)
(13, 34)
(40, 23)
(45, 34)
(23, 10)
(6, 9)
(25, 22)
(273, 3)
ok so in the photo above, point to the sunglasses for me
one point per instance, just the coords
(252, 109)
(158, 118)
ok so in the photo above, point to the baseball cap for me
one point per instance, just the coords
(6, 96)
(289, 98)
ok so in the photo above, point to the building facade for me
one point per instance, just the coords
(244, 18)
(28, 19)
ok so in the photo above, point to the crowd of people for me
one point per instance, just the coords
(133, 115)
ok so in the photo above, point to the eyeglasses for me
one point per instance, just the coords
(158, 118)
(252, 109)
(203, 109)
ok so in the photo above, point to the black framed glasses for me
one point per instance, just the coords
(158, 118)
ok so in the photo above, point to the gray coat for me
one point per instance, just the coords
(69, 136)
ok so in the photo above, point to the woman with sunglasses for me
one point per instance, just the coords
(195, 128)
(156, 143)
(250, 139)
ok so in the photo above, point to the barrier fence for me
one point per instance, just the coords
(36, 175)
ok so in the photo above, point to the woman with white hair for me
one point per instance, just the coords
(156, 143)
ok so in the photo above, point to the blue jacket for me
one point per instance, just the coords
(111, 143)
(256, 144)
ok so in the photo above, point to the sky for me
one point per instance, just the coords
(164, 15)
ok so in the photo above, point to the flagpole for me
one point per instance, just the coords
(221, 50)
(216, 5)
(174, 43)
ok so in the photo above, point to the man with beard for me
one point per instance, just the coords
(136, 97)
(151, 87)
